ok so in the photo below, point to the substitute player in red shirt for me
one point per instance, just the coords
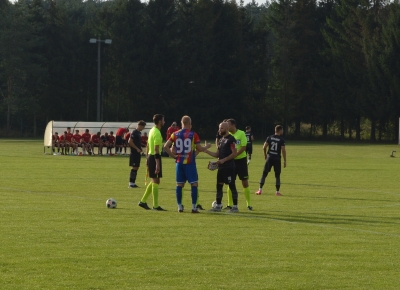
(119, 139)
(95, 141)
(76, 141)
(63, 143)
(86, 142)
(111, 142)
(68, 140)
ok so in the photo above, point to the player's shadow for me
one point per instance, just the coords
(337, 198)
(325, 218)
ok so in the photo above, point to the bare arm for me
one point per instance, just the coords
(167, 148)
(213, 154)
(265, 146)
(157, 151)
(284, 156)
(130, 142)
(242, 149)
(200, 148)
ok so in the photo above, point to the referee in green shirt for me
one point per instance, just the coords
(240, 163)
(154, 167)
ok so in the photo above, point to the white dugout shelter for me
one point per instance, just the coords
(94, 127)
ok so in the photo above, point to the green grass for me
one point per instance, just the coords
(335, 227)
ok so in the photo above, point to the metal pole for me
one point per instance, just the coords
(98, 80)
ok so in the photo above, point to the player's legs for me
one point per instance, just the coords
(192, 177)
(155, 177)
(134, 162)
(249, 151)
(267, 168)
(277, 170)
(230, 177)
(180, 182)
(220, 184)
(118, 144)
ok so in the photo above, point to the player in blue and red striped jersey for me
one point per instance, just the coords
(186, 142)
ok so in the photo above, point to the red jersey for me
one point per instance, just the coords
(127, 136)
(95, 138)
(111, 139)
(62, 138)
(69, 137)
(56, 138)
(77, 138)
(121, 132)
(86, 137)
(144, 140)
(171, 130)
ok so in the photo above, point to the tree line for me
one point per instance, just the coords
(322, 69)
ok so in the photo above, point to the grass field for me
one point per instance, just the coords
(336, 226)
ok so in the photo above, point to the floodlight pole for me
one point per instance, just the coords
(106, 41)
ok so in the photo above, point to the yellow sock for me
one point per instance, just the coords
(147, 192)
(155, 194)
(247, 195)
(230, 200)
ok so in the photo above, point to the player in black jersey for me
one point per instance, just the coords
(226, 153)
(135, 142)
(249, 146)
(275, 144)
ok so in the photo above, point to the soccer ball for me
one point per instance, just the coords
(214, 204)
(111, 203)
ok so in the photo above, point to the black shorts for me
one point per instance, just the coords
(118, 140)
(134, 159)
(275, 163)
(151, 163)
(241, 168)
(226, 175)
(249, 149)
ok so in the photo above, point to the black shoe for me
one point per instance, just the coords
(250, 208)
(133, 186)
(159, 208)
(199, 207)
(143, 204)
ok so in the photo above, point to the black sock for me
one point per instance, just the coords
(133, 175)
(220, 193)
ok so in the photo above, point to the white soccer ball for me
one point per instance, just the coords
(111, 203)
(214, 204)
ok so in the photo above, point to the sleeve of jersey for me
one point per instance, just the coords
(243, 140)
(158, 140)
(172, 137)
(233, 143)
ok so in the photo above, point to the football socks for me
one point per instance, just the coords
(247, 195)
(147, 192)
(155, 194)
(178, 195)
(194, 196)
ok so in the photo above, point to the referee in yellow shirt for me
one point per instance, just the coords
(154, 147)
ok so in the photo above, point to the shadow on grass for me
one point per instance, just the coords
(318, 218)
